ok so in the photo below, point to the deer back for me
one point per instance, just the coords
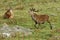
(40, 18)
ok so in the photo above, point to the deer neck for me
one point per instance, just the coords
(34, 14)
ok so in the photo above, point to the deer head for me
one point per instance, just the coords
(32, 11)
(10, 10)
(9, 13)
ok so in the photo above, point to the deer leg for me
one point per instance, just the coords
(43, 26)
(43, 22)
(39, 25)
(35, 25)
(50, 24)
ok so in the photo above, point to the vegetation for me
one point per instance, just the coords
(22, 18)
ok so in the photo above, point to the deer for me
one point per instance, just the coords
(39, 19)
(8, 14)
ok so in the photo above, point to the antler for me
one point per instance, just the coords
(33, 9)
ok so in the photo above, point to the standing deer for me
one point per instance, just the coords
(39, 19)
(8, 14)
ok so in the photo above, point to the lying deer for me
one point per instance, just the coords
(39, 19)
(8, 14)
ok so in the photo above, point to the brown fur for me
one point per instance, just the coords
(40, 19)
(8, 14)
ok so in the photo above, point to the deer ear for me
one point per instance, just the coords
(36, 10)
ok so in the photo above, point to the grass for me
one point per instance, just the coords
(22, 18)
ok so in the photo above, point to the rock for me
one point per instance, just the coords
(22, 29)
(8, 32)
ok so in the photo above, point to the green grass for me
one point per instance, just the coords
(22, 17)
